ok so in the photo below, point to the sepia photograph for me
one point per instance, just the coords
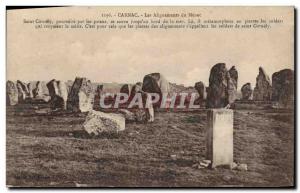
(150, 96)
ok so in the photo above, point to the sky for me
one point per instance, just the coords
(126, 56)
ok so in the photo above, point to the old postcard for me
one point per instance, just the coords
(150, 97)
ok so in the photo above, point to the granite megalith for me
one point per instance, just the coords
(246, 91)
(222, 90)
(200, 87)
(41, 92)
(80, 97)
(283, 88)
(98, 122)
(23, 92)
(98, 93)
(11, 93)
(58, 93)
(263, 88)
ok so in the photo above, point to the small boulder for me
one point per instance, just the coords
(241, 167)
(98, 122)
(233, 165)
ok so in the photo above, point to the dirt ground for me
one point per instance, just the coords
(54, 150)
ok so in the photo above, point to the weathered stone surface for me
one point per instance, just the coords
(69, 85)
(141, 115)
(222, 90)
(126, 89)
(11, 93)
(283, 88)
(234, 76)
(150, 113)
(98, 93)
(155, 83)
(135, 89)
(216, 95)
(246, 91)
(232, 82)
(263, 88)
(38, 90)
(98, 122)
(129, 116)
(200, 87)
(138, 115)
(81, 96)
(58, 93)
(148, 106)
(23, 92)
(219, 137)
(30, 90)
(241, 167)
(41, 92)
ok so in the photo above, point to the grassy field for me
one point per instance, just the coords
(54, 150)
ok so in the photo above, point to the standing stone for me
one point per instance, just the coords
(232, 82)
(263, 88)
(222, 89)
(98, 93)
(37, 91)
(148, 106)
(30, 90)
(58, 94)
(216, 96)
(126, 89)
(23, 92)
(11, 93)
(155, 83)
(200, 87)
(234, 76)
(40, 91)
(246, 91)
(81, 96)
(283, 88)
(69, 84)
(219, 137)
(135, 89)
